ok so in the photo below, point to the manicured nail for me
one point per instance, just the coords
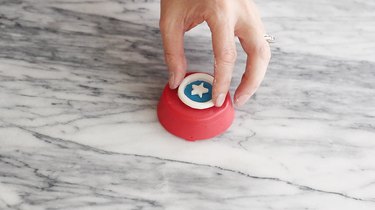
(220, 100)
(241, 100)
(172, 82)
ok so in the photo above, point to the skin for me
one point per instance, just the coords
(227, 19)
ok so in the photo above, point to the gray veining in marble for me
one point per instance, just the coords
(79, 84)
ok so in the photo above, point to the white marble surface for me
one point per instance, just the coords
(79, 82)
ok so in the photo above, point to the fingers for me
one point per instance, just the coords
(250, 32)
(224, 19)
(172, 31)
(225, 56)
(258, 56)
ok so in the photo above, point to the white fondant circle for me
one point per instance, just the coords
(192, 78)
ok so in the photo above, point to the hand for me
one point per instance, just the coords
(226, 19)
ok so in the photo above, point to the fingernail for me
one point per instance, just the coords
(220, 100)
(241, 100)
(172, 80)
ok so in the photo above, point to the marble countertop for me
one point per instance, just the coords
(79, 84)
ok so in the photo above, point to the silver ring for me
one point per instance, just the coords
(270, 39)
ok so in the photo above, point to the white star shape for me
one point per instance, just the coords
(199, 90)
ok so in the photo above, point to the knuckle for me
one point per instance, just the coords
(251, 89)
(227, 56)
(263, 51)
(170, 57)
(175, 60)
(251, 85)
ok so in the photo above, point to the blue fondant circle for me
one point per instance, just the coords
(205, 97)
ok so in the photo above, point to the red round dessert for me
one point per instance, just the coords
(193, 124)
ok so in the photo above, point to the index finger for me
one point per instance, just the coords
(225, 54)
(172, 32)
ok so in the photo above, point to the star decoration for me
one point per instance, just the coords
(199, 90)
